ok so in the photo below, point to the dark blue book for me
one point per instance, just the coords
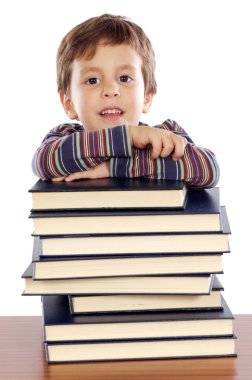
(121, 265)
(140, 303)
(138, 244)
(176, 284)
(141, 349)
(108, 193)
(201, 213)
(61, 325)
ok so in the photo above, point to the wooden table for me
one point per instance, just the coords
(22, 358)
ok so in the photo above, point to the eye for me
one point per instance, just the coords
(92, 81)
(125, 78)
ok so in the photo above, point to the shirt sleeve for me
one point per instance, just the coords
(198, 167)
(69, 148)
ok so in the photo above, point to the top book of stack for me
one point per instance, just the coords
(108, 193)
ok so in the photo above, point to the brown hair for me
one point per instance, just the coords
(112, 30)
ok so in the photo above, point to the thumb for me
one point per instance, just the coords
(58, 179)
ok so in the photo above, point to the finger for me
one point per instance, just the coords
(58, 179)
(156, 143)
(179, 147)
(168, 146)
(75, 176)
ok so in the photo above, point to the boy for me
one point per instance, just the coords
(106, 79)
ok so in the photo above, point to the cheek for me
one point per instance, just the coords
(139, 101)
(84, 102)
(137, 96)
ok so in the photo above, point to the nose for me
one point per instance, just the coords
(110, 90)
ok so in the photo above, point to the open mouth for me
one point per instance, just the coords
(111, 112)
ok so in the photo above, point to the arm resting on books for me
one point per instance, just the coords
(68, 149)
(198, 167)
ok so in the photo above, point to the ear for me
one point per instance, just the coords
(68, 106)
(147, 102)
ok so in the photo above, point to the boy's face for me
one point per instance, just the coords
(108, 89)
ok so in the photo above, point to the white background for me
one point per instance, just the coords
(204, 61)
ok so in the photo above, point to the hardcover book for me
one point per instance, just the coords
(199, 347)
(186, 284)
(107, 266)
(60, 325)
(108, 193)
(137, 303)
(139, 244)
(201, 213)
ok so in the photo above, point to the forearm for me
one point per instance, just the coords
(198, 167)
(67, 151)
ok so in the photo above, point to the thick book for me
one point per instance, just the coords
(201, 213)
(138, 303)
(60, 325)
(200, 347)
(108, 193)
(139, 244)
(186, 284)
(117, 266)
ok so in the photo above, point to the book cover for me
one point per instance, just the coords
(61, 325)
(108, 193)
(199, 347)
(106, 266)
(138, 244)
(186, 284)
(140, 303)
(201, 213)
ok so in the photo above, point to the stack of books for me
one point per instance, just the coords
(127, 269)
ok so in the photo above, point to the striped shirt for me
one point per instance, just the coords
(69, 148)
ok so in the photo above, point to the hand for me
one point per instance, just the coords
(100, 171)
(162, 143)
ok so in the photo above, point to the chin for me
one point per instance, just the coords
(113, 124)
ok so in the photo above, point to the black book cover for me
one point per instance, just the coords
(79, 283)
(165, 355)
(100, 266)
(216, 287)
(225, 229)
(205, 201)
(28, 273)
(56, 311)
(74, 195)
(107, 184)
(38, 257)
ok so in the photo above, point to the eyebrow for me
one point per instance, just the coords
(126, 67)
(89, 69)
(86, 70)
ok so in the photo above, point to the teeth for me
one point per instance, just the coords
(112, 111)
